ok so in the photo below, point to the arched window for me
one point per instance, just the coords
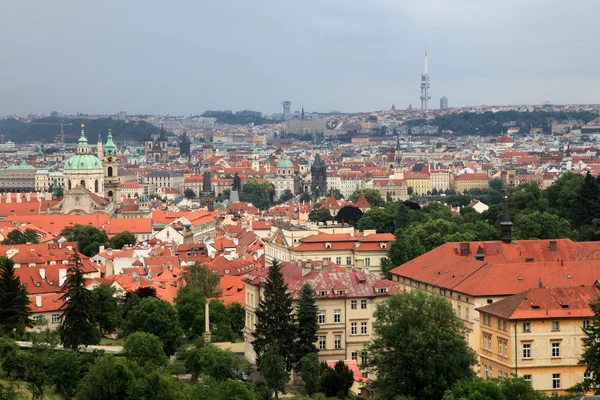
(110, 194)
(82, 183)
(110, 171)
(69, 184)
(96, 186)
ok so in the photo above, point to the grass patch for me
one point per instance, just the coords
(111, 342)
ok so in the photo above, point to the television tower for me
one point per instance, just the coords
(425, 85)
(286, 110)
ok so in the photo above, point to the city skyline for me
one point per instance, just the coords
(181, 59)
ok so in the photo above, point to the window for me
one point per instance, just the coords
(363, 328)
(555, 349)
(365, 374)
(353, 304)
(337, 316)
(499, 323)
(491, 372)
(322, 342)
(587, 375)
(586, 324)
(354, 329)
(55, 318)
(504, 326)
(499, 374)
(527, 378)
(526, 327)
(363, 357)
(354, 355)
(485, 371)
(348, 260)
(338, 341)
(338, 260)
(367, 262)
(36, 317)
(505, 349)
(363, 304)
(459, 311)
(382, 290)
(487, 342)
(556, 326)
(555, 381)
(321, 316)
(526, 350)
(467, 313)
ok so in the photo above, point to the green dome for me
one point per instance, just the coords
(83, 161)
(23, 165)
(284, 163)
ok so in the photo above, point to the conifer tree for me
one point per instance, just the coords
(77, 326)
(590, 358)
(307, 322)
(14, 303)
(275, 317)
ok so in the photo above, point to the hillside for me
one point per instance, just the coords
(19, 131)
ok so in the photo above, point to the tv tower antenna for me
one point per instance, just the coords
(425, 85)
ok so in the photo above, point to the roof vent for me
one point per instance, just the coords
(552, 245)
(529, 260)
(564, 305)
(520, 277)
(569, 276)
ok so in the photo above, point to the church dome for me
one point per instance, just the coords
(83, 159)
(285, 163)
(22, 166)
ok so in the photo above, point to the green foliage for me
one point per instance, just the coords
(145, 349)
(190, 304)
(418, 347)
(319, 215)
(335, 193)
(66, 370)
(494, 389)
(212, 361)
(590, 357)
(159, 384)
(337, 380)
(17, 237)
(496, 184)
(111, 377)
(275, 317)
(310, 370)
(189, 194)
(88, 238)
(373, 197)
(14, 303)
(272, 367)
(237, 318)
(393, 216)
(220, 390)
(159, 318)
(122, 239)
(219, 322)
(36, 371)
(237, 182)
(10, 391)
(349, 214)
(542, 225)
(106, 311)
(260, 194)
(308, 326)
(199, 277)
(78, 325)
(286, 195)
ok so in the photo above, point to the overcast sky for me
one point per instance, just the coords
(185, 56)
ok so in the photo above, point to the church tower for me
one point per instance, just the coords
(318, 172)
(112, 185)
(207, 195)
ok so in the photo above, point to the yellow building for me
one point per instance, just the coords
(346, 302)
(471, 181)
(537, 334)
(396, 188)
(420, 182)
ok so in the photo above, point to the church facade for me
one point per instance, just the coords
(157, 146)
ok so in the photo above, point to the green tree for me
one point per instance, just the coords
(77, 325)
(275, 317)
(272, 367)
(496, 184)
(36, 371)
(494, 389)
(14, 303)
(221, 390)
(349, 214)
(190, 304)
(337, 380)
(335, 193)
(10, 391)
(189, 194)
(286, 195)
(590, 357)
(145, 349)
(237, 318)
(159, 384)
(17, 237)
(542, 225)
(237, 182)
(373, 197)
(122, 239)
(320, 215)
(111, 377)
(212, 361)
(106, 311)
(418, 347)
(66, 370)
(199, 277)
(219, 322)
(310, 370)
(88, 238)
(260, 194)
(308, 326)
(159, 318)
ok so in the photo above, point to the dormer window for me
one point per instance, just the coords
(341, 292)
(323, 293)
(382, 245)
(327, 245)
(382, 290)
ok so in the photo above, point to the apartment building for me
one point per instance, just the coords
(471, 181)
(396, 188)
(420, 182)
(346, 303)
(537, 334)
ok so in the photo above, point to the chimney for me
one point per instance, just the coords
(42, 273)
(552, 245)
(38, 300)
(480, 255)
(62, 276)
(101, 249)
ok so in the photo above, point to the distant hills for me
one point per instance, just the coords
(47, 129)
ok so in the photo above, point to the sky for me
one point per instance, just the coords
(182, 57)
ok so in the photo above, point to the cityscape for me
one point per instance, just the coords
(300, 248)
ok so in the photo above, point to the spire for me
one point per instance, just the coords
(302, 115)
(162, 132)
(506, 225)
(110, 148)
(206, 184)
(82, 143)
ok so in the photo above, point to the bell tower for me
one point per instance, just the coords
(112, 184)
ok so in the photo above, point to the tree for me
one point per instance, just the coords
(221, 390)
(275, 317)
(199, 277)
(189, 194)
(349, 214)
(418, 347)
(337, 380)
(159, 384)
(260, 194)
(286, 195)
(308, 326)
(319, 215)
(542, 225)
(373, 197)
(145, 349)
(10, 391)
(305, 197)
(122, 239)
(494, 389)
(590, 357)
(237, 182)
(310, 370)
(14, 303)
(111, 377)
(272, 367)
(66, 370)
(106, 309)
(237, 318)
(88, 238)
(17, 237)
(36, 371)
(190, 304)
(159, 318)
(335, 193)
(77, 325)
(212, 361)
(219, 322)
(496, 184)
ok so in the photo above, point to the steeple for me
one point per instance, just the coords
(302, 115)
(506, 225)
(82, 143)
(110, 148)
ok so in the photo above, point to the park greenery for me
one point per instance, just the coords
(260, 194)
